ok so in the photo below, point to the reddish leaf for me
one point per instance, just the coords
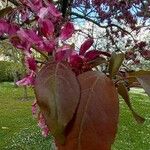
(57, 92)
(95, 123)
(122, 90)
(145, 82)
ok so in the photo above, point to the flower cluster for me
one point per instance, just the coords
(48, 36)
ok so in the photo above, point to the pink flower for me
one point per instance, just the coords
(7, 28)
(93, 54)
(54, 11)
(4, 26)
(47, 45)
(20, 44)
(27, 81)
(46, 26)
(30, 63)
(49, 10)
(35, 5)
(76, 62)
(35, 108)
(63, 52)
(43, 12)
(85, 46)
(45, 131)
(67, 31)
(90, 55)
(13, 28)
(29, 35)
(42, 125)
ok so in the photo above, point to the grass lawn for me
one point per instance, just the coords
(19, 131)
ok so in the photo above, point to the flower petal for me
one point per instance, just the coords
(20, 44)
(3, 27)
(54, 11)
(42, 124)
(47, 45)
(13, 28)
(43, 12)
(46, 26)
(63, 53)
(90, 55)
(35, 5)
(30, 63)
(29, 35)
(67, 31)
(27, 81)
(76, 61)
(35, 108)
(85, 46)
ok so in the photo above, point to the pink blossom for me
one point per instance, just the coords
(49, 11)
(85, 46)
(93, 54)
(90, 55)
(54, 11)
(45, 131)
(4, 26)
(46, 27)
(47, 45)
(43, 12)
(30, 63)
(67, 31)
(35, 108)
(20, 44)
(29, 35)
(27, 81)
(9, 29)
(63, 52)
(13, 28)
(42, 125)
(35, 5)
(76, 62)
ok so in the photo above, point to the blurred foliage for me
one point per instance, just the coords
(7, 70)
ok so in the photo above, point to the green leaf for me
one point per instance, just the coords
(5, 11)
(122, 90)
(115, 63)
(57, 92)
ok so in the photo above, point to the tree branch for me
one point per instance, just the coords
(96, 23)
